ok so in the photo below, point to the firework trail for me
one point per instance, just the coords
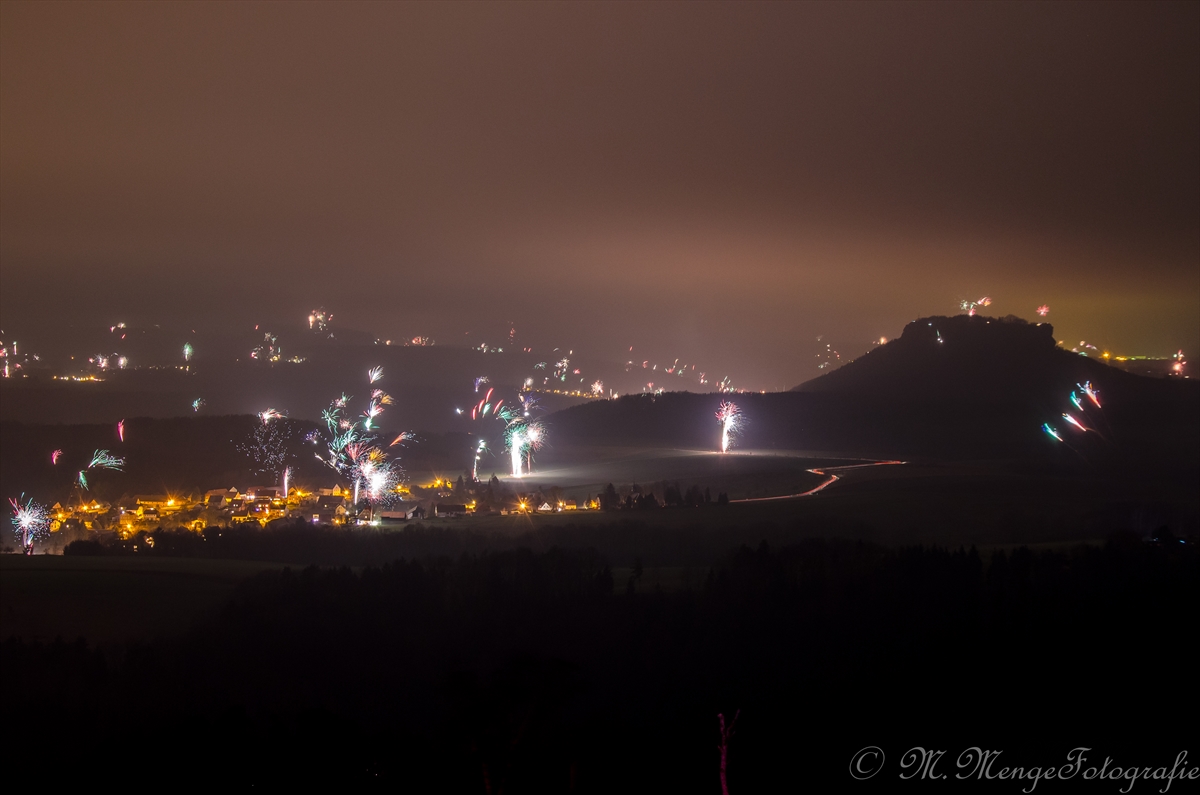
(1092, 393)
(1094, 396)
(188, 350)
(121, 430)
(729, 415)
(81, 478)
(31, 523)
(374, 374)
(478, 454)
(484, 406)
(1043, 310)
(198, 404)
(1075, 422)
(402, 438)
(516, 442)
(55, 456)
(1048, 428)
(287, 476)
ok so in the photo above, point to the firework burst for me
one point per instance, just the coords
(352, 451)
(31, 523)
(973, 307)
(271, 414)
(102, 459)
(522, 437)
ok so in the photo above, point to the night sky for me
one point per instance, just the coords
(722, 183)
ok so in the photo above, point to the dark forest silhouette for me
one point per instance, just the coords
(533, 672)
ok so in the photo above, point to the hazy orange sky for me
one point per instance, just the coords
(722, 182)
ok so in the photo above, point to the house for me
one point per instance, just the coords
(220, 498)
(447, 510)
(545, 508)
(401, 512)
(328, 509)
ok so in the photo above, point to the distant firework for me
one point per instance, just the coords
(198, 404)
(1043, 310)
(121, 430)
(729, 415)
(319, 319)
(972, 307)
(270, 414)
(267, 445)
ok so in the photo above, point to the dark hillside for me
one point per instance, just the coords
(977, 357)
(982, 392)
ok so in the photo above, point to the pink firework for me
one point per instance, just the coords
(1043, 310)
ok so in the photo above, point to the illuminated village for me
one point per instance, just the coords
(262, 505)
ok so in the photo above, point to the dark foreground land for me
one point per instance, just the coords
(519, 671)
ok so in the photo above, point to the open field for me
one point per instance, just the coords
(583, 470)
(112, 599)
(963, 503)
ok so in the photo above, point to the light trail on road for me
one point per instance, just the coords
(830, 480)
